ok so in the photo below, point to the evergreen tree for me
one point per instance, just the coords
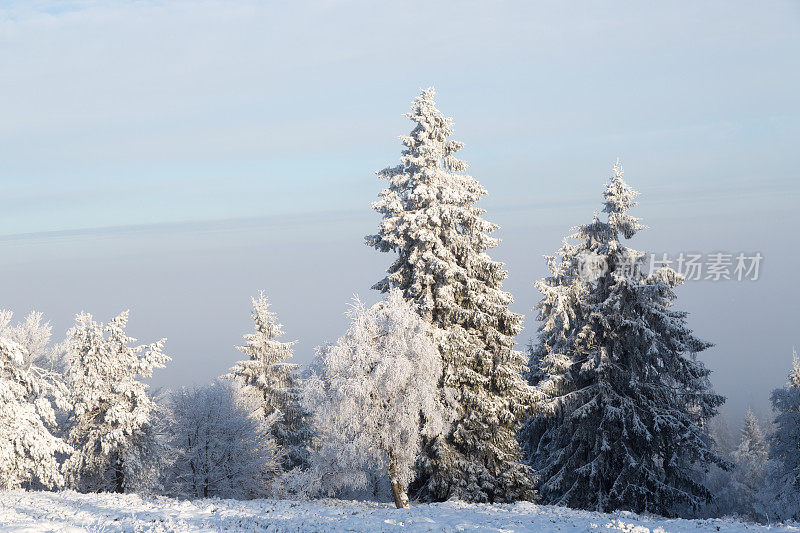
(563, 314)
(782, 493)
(625, 399)
(275, 379)
(112, 412)
(431, 222)
(750, 459)
(737, 491)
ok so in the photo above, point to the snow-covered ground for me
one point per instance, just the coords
(69, 511)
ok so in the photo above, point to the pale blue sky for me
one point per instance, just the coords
(175, 157)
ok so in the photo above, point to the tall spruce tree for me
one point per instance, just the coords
(431, 222)
(269, 372)
(782, 493)
(625, 399)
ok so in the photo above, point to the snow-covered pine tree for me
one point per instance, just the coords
(625, 399)
(221, 443)
(750, 458)
(563, 314)
(782, 492)
(112, 410)
(431, 222)
(275, 379)
(29, 451)
(374, 395)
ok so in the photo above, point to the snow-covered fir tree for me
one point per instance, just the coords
(753, 442)
(781, 495)
(738, 491)
(625, 399)
(220, 442)
(374, 394)
(29, 450)
(563, 314)
(750, 458)
(431, 221)
(269, 372)
(112, 412)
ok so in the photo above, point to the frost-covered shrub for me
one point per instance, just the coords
(220, 444)
(374, 395)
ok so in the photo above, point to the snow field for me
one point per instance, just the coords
(69, 511)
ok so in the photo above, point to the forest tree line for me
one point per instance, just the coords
(424, 397)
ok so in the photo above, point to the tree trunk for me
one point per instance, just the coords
(398, 490)
(119, 476)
